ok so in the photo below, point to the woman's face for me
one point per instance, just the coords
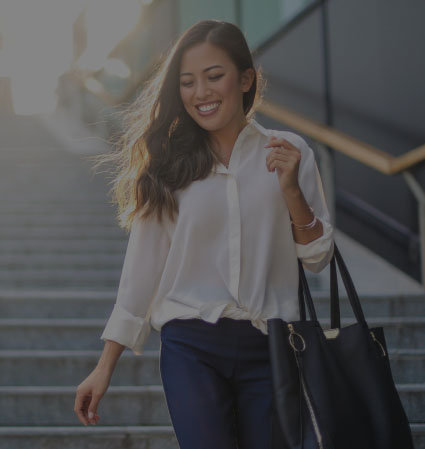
(210, 88)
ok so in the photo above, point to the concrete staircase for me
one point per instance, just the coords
(61, 255)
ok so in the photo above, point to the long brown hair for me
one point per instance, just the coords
(162, 149)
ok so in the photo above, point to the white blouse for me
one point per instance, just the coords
(230, 253)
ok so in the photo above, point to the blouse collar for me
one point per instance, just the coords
(250, 128)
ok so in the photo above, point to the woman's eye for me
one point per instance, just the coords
(211, 78)
(215, 77)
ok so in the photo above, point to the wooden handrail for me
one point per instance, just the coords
(354, 148)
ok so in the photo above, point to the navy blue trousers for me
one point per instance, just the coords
(217, 384)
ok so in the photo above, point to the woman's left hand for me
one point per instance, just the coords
(285, 160)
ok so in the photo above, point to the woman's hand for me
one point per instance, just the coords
(285, 159)
(89, 393)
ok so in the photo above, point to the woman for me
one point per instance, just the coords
(228, 206)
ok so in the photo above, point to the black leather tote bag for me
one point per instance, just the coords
(333, 389)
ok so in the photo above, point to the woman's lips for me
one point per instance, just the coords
(210, 112)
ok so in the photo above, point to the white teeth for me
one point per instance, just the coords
(208, 107)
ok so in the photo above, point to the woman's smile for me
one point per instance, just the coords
(208, 108)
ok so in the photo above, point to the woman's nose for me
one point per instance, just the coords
(202, 91)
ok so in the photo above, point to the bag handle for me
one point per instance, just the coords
(335, 312)
(349, 287)
(304, 294)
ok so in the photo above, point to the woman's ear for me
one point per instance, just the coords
(247, 79)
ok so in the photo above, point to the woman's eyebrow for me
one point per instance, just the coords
(205, 70)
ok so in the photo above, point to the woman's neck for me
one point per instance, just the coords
(224, 140)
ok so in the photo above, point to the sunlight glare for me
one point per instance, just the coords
(108, 22)
(37, 49)
(117, 68)
(38, 44)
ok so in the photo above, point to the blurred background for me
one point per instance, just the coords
(346, 75)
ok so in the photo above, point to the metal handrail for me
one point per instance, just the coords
(367, 154)
(354, 148)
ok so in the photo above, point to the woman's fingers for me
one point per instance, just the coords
(276, 157)
(92, 409)
(80, 407)
(280, 142)
(88, 395)
(86, 408)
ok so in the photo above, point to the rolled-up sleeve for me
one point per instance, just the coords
(316, 254)
(147, 250)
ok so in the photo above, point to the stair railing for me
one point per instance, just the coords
(326, 136)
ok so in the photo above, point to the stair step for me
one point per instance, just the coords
(20, 184)
(58, 334)
(407, 365)
(88, 437)
(126, 405)
(57, 303)
(57, 218)
(61, 277)
(405, 332)
(400, 332)
(99, 231)
(54, 406)
(116, 437)
(35, 150)
(418, 433)
(413, 399)
(11, 262)
(14, 205)
(61, 367)
(66, 303)
(63, 246)
(374, 305)
(65, 367)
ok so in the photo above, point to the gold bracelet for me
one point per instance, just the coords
(308, 225)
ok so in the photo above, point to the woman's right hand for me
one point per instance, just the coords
(89, 393)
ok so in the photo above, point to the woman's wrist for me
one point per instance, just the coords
(110, 355)
(297, 206)
(303, 227)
